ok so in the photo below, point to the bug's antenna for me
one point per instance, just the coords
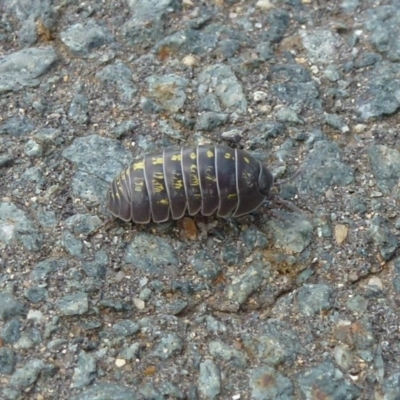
(281, 182)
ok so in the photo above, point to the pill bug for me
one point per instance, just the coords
(205, 179)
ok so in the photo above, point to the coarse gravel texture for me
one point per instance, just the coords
(278, 304)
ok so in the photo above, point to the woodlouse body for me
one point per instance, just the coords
(205, 179)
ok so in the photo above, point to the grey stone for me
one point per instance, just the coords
(221, 80)
(288, 115)
(315, 298)
(267, 383)
(291, 232)
(278, 20)
(71, 244)
(227, 353)
(11, 331)
(44, 269)
(168, 346)
(148, 391)
(74, 304)
(386, 241)
(244, 285)
(78, 110)
(336, 122)
(85, 371)
(325, 169)
(274, 343)
(89, 188)
(265, 51)
(194, 41)
(22, 68)
(385, 165)
(36, 294)
(381, 95)
(98, 156)
(209, 382)
(207, 121)
(125, 328)
(83, 223)
(33, 149)
(328, 381)
(391, 386)
(10, 307)
(81, 39)
(383, 24)
(321, 45)
(169, 91)
(28, 374)
(204, 265)
(107, 391)
(119, 75)
(7, 361)
(16, 227)
(124, 129)
(150, 253)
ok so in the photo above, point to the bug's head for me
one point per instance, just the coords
(265, 180)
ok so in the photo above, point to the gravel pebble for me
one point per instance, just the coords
(106, 391)
(315, 298)
(85, 371)
(328, 381)
(150, 253)
(74, 304)
(167, 346)
(266, 383)
(81, 39)
(209, 380)
(10, 307)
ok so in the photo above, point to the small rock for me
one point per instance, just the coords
(81, 39)
(85, 371)
(313, 299)
(167, 346)
(209, 380)
(267, 383)
(7, 361)
(340, 233)
(74, 304)
(10, 307)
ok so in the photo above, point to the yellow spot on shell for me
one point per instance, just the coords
(157, 160)
(176, 157)
(246, 160)
(194, 179)
(210, 154)
(228, 156)
(138, 165)
(211, 178)
(138, 184)
(158, 175)
(232, 196)
(164, 202)
(178, 184)
(193, 156)
(158, 187)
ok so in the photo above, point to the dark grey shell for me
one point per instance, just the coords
(204, 179)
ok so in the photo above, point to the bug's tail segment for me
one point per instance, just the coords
(265, 180)
(117, 204)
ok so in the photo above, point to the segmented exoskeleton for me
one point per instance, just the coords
(205, 179)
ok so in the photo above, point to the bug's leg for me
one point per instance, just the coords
(288, 204)
(106, 225)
